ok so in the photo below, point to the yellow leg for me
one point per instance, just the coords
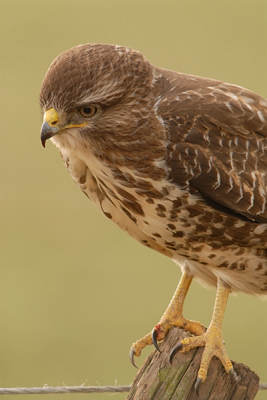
(171, 317)
(212, 339)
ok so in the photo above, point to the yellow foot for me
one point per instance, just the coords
(160, 331)
(212, 340)
(173, 316)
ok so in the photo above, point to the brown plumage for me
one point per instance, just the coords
(177, 161)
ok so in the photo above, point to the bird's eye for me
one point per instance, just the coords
(88, 111)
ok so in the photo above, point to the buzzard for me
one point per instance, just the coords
(176, 161)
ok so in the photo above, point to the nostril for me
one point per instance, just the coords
(53, 123)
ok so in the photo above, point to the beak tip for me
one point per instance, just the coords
(47, 132)
(43, 139)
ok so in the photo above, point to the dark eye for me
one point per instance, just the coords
(88, 111)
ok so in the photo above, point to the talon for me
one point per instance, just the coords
(175, 349)
(234, 375)
(154, 339)
(132, 358)
(197, 385)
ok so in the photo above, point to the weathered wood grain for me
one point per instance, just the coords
(158, 379)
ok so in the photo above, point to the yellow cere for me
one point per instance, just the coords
(52, 118)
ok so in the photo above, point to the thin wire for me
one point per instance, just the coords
(263, 386)
(77, 389)
(65, 389)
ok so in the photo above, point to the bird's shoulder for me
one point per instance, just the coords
(230, 107)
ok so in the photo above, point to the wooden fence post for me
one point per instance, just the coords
(159, 380)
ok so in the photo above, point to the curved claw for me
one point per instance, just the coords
(178, 347)
(234, 375)
(154, 339)
(197, 385)
(132, 358)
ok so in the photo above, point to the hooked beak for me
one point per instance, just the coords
(50, 125)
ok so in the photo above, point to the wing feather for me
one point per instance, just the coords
(217, 141)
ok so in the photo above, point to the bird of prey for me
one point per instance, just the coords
(179, 162)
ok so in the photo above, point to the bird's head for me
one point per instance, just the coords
(93, 92)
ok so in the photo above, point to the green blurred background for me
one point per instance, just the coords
(75, 290)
